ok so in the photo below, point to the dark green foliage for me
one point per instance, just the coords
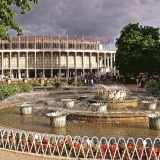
(60, 84)
(78, 83)
(48, 84)
(138, 50)
(153, 88)
(7, 16)
(35, 83)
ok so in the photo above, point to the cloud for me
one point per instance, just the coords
(87, 17)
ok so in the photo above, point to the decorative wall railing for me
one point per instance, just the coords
(77, 147)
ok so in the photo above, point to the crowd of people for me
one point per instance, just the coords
(143, 79)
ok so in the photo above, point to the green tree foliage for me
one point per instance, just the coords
(138, 50)
(7, 16)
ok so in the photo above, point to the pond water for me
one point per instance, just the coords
(39, 122)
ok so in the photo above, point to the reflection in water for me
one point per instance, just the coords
(36, 123)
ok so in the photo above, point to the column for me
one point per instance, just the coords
(108, 62)
(27, 64)
(105, 61)
(60, 64)
(111, 60)
(83, 61)
(90, 57)
(35, 64)
(75, 64)
(10, 54)
(83, 72)
(67, 65)
(52, 65)
(98, 62)
(43, 65)
(19, 73)
(114, 64)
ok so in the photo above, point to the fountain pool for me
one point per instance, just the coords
(83, 119)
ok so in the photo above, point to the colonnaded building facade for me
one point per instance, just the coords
(51, 55)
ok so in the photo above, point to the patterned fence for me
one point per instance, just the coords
(85, 147)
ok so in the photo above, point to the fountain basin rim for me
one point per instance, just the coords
(109, 101)
(99, 104)
(24, 105)
(109, 114)
(83, 96)
(66, 100)
(148, 102)
(56, 114)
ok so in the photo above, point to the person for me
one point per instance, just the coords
(139, 85)
(142, 83)
(55, 78)
(137, 80)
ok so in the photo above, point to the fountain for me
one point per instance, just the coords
(68, 103)
(57, 119)
(83, 97)
(25, 108)
(87, 116)
(154, 121)
(100, 107)
(149, 103)
(50, 101)
(116, 98)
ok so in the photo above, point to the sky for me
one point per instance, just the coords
(102, 19)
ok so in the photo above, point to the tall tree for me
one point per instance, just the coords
(7, 16)
(138, 50)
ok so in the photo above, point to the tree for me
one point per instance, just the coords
(138, 50)
(7, 16)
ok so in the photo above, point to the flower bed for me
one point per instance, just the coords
(77, 147)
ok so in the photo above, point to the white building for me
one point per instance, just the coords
(52, 55)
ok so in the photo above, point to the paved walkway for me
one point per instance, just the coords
(131, 86)
(6, 154)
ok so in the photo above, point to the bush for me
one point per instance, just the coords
(35, 83)
(7, 90)
(48, 84)
(60, 84)
(153, 88)
(25, 87)
(78, 83)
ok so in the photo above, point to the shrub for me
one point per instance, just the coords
(60, 84)
(35, 83)
(48, 84)
(25, 87)
(153, 88)
(78, 83)
(7, 90)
